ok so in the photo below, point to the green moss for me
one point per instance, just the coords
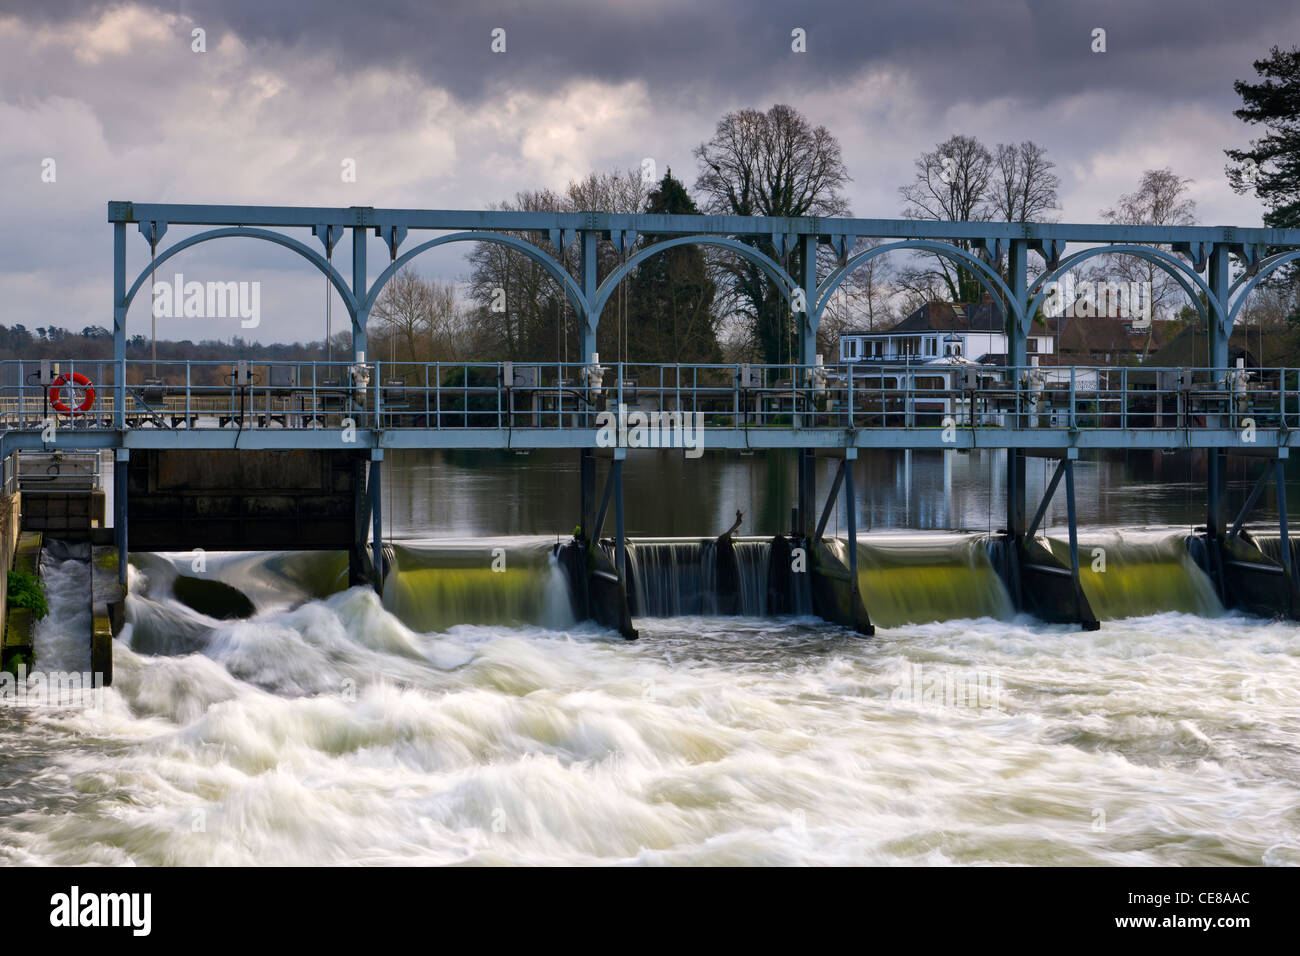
(26, 590)
(16, 659)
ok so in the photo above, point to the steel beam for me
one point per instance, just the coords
(830, 500)
(359, 293)
(589, 261)
(599, 526)
(1040, 441)
(119, 323)
(457, 219)
(1253, 497)
(1017, 266)
(1047, 497)
(1217, 359)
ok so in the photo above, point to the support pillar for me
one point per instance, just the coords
(807, 330)
(1017, 268)
(119, 332)
(833, 586)
(358, 571)
(1041, 577)
(587, 529)
(1215, 463)
(851, 513)
(620, 538)
(1073, 518)
(359, 292)
(806, 507)
(807, 489)
(588, 262)
(375, 489)
(121, 462)
(1284, 533)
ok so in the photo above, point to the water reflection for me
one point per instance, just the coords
(473, 493)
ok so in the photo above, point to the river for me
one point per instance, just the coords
(334, 727)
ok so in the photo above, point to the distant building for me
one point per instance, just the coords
(944, 351)
(939, 330)
(1101, 340)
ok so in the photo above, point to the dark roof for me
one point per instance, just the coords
(1188, 349)
(982, 316)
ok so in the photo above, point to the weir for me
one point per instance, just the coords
(192, 460)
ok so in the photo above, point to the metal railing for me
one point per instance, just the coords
(503, 395)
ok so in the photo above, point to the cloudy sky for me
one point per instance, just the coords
(411, 90)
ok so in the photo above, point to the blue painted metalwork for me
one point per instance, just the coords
(986, 276)
(556, 271)
(774, 271)
(311, 255)
(604, 223)
(1170, 264)
(1245, 283)
(789, 388)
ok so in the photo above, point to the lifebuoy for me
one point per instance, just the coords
(76, 378)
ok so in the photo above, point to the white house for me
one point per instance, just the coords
(937, 358)
(938, 330)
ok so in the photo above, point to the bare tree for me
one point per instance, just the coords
(403, 313)
(418, 319)
(525, 313)
(861, 302)
(1160, 200)
(1023, 186)
(951, 184)
(768, 164)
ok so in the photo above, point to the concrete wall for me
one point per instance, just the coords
(9, 524)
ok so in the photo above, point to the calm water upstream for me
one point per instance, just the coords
(335, 727)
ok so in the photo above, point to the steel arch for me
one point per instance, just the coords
(774, 271)
(278, 238)
(1245, 284)
(556, 271)
(961, 256)
(1171, 264)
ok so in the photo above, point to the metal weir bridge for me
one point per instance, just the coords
(347, 414)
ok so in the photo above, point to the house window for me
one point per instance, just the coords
(931, 346)
(1031, 345)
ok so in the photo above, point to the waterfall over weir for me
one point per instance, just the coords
(673, 577)
(904, 578)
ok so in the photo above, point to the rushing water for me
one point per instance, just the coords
(338, 728)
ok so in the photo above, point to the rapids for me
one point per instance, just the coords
(336, 728)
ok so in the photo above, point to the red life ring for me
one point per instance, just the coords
(76, 378)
